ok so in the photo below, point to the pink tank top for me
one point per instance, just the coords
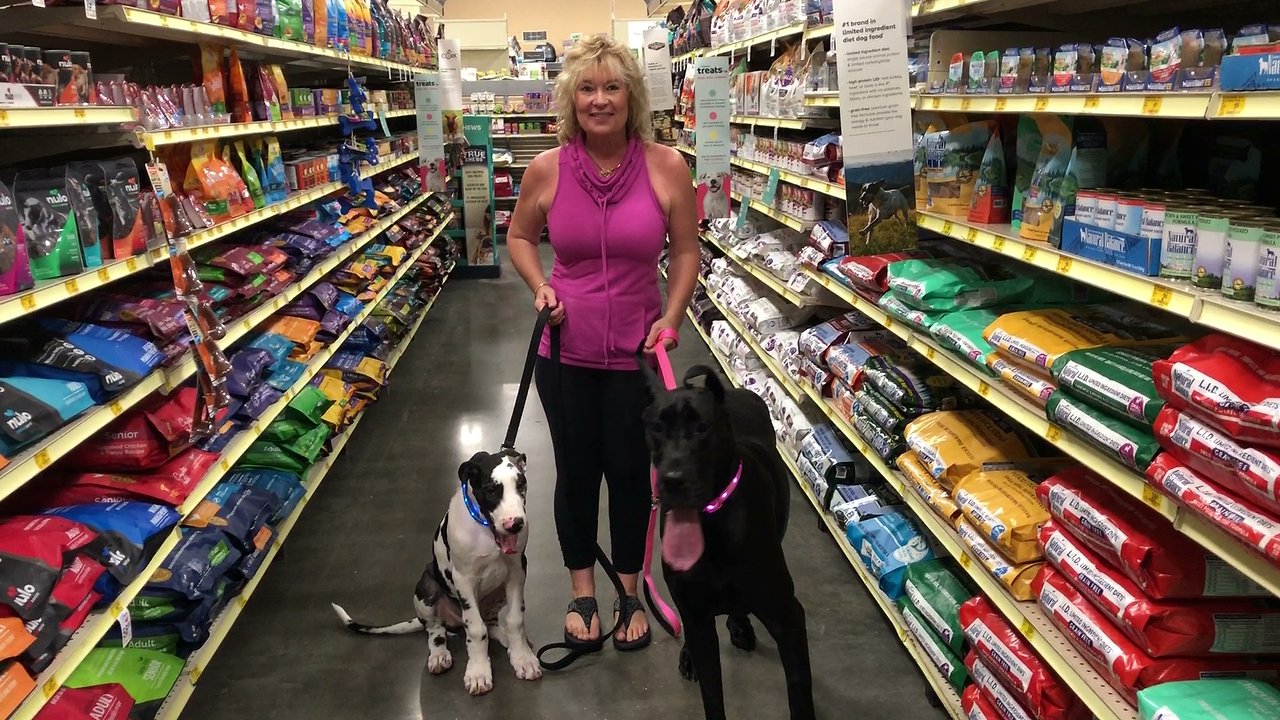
(607, 234)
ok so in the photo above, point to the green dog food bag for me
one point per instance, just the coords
(147, 675)
(311, 403)
(938, 653)
(916, 318)
(1116, 438)
(1224, 699)
(962, 332)
(937, 595)
(1117, 381)
(937, 285)
(268, 454)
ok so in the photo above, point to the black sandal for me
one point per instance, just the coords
(629, 605)
(586, 607)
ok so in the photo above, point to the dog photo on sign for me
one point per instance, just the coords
(881, 199)
(713, 196)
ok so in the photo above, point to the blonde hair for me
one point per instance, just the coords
(602, 51)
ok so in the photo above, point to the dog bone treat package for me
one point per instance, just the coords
(99, 702)
(1002, 504)
(962, 332)
(937, 595)
(129, 233)
(15, 263)
(1164, 627)
(1016, 577)
(944, 285)
(1116, 438)
(1228, 381)
(1040, 337)
(130, 529)
(1122, 663)
(146, 675)
(976, 706)
(1116, 380)
(1258, 531)
(1006, 704)
(888, 544)
(1034, 386)
(53, 241)
(951, 444)
(1251, 473)
(941, 656)
(923, 484)
(1011, 659)
(1234, 698)
(1132, 538)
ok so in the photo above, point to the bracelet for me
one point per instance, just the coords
(545, 284)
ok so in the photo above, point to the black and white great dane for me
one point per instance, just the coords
(478, 568)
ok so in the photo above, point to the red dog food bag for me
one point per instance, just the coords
(170, 484)
(1003, 701)
(98, 702)
(1242, 521)
(143, 439)
(75, 584)
(33, 550)
(1122, 663)
(871, 272)
(1166, 627)
(1016, 665)
(1141, 544)
(1233, 383)
(976, 706)
(1251, 473)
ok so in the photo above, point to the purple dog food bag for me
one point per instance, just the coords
(15, 267)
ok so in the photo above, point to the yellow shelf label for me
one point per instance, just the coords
(116, 409)
(1028, 253)
(72, 287)
(928, 352)
(50, 687)
(1064, 264)
(79, 113)
(1028, 631)
(1001, 104)
(1161, 296)
(42, 459)
(28, 302)
(196, 672)
(1053, 434)
(1231, 105)
(947, 227)
(1092, 102)
(131, 264)
(966, 104)
(983, 388)
(998, 244)
(965, 562)
(1151, 105)
(1041, 104)
(104, 275)
(971, 235)
(888, 323)
(937, 103)
(4, 117)
(1152, 497)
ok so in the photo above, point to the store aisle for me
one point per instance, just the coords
(365, 538)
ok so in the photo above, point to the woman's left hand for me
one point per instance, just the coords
(658, 327)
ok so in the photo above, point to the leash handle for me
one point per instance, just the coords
(664, 360)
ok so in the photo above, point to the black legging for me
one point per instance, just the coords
(602, 434)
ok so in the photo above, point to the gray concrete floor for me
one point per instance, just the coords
(364, 539)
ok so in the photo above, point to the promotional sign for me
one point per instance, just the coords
(477, 191)
(451, 88)
(711, 109)
(431, 164)
(657, 69)
(875, 120)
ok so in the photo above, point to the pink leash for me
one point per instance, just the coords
(668, 614)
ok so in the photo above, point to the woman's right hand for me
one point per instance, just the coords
(546, 297)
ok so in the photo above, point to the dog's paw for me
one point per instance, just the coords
(526, 665)
(478, 678)
(741, 634)
(439, 663)
(686, 666)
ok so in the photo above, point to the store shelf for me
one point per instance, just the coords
(804, 181)
(175, 136)
(518, 116)
(794, 223)
(1204, 307)
(40, 118)
(759, 273)
(770, 362)
(1165, 105)
(781, 122)
(773, 36)
(822, 99)
(819, 31)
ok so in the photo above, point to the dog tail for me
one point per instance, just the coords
(403, 628)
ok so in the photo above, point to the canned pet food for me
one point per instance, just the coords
(1153, 219)
(1104, 213)
(1267, 295)
(1128, 219)
(1178, 242)
(1086, 205)
(1240, 261)
(1211, 245)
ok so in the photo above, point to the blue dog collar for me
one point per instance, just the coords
(472, 510)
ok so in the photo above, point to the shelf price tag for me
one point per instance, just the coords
(1092, 102)
(51, 685)
(1042, 103)
(42, 459)
(1028, 253)
(965, 104)
(1064, 264)
(1152, 497)
(937, 103)
(1027, 629)
(72, 287)
(947, 227)
(1151, 105)
(28, 302)
(91, 9)
(998, 245)
(1001, 104)
(965, 561)
(1231, 105)
(1053, 434)
(983, 388)
(104, 275)
(1161, 296)
(126, 627)
(971, 235)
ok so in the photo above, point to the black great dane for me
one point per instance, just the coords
(725, 499)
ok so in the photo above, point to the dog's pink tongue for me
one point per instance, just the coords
(507, 543)
(682, 538)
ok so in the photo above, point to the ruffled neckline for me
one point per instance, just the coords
(616, 184)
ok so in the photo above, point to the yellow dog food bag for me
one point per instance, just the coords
(1016, 577)
(1040, 337)
(1003, 505)
(1035, 384)
(920, 481)
(953, 443)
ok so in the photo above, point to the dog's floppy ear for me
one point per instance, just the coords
(711, 381)
(470, 470)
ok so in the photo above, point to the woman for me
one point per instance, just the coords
(609, 198)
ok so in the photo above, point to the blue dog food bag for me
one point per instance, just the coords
(130, 527)
(888, 544)
(286, 486)
(194, 567)
(31, 408)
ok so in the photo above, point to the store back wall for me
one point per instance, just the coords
(559, 18)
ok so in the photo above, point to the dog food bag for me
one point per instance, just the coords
(888, 544)
(870, 272)
(35, 548)
(962, 332)
(953, 159)
(888, 416)
(1016, 577)
(940, 655)
(1039, 204)
(146, 437)
(1040, 337)
(1116, 438)
(1034, 386)
(239, 511)
(937, 595)
(847, 360)
(919, 480)
(817, 341)
(79, 185)
(912, 383)
(767, 315)
(15, 264)
(1251, 473)
(1118, 381)
(939, 285)
(147, 676)
(1141, 544)
(1259, 531)
(991, 202)
(918, 319)
(1228, 381)
(1002, 504)
(1006, 704)
(130, 529)
(952, 444)
(824, 449)
(109, 701)
(53, 239)
(1017, 666)
(976, 706)
(129, 233)
(193, 568)
(887, 445)
(171, 483)
(855, 503)
(1164, 627)
(1234, 698)
(1030, 140)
